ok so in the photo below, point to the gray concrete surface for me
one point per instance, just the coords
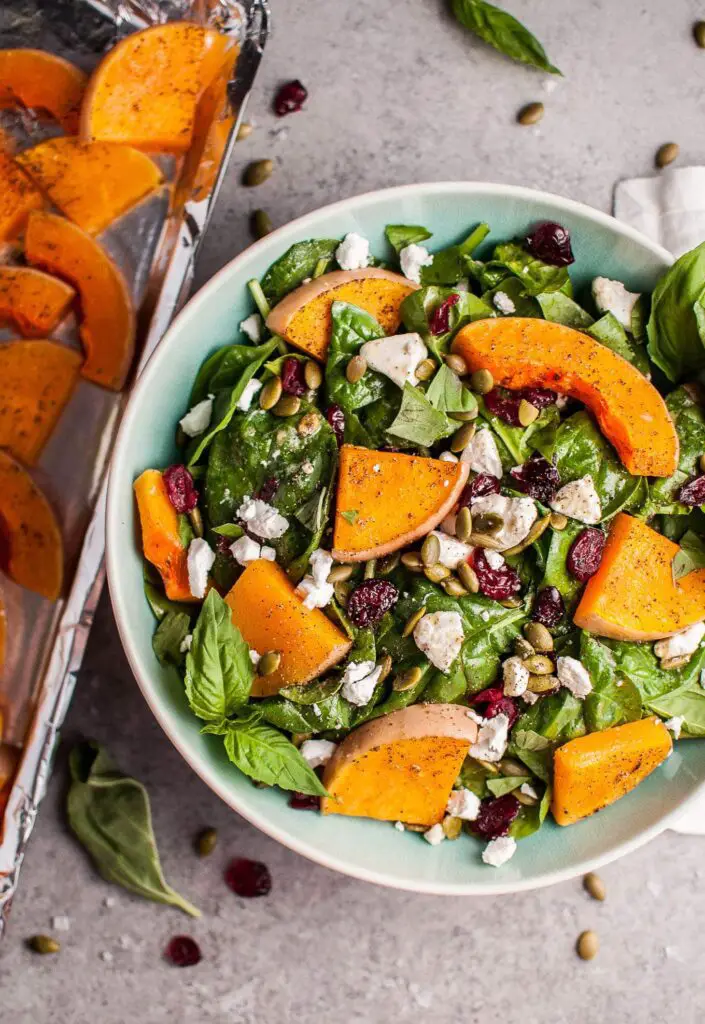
(397, 94)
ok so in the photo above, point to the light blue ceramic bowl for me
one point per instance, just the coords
(370, 850)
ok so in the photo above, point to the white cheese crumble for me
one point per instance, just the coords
(412, 258)
(453, 551)
(579, 500)
(396, 357)
(245, 550)
(612, 297)
(448, 457)
(315, 588)
(503, 303)
(680, 644)
(435, 835)
(317, 752)
(359, 681)
(462, 803)
(197, 419)
(262, 519)
(529, 697)
(492, 738)
(267, 553)
(353, 253)
(482, 454)
(199, 562)
(254, 657)
(61, 923)
(440, 636)
(252, 327)
(499, 851)
(674, 726)
(185, 644)
(574, 676)
(400, 826)
(515, 676)
(528, 790)
(519, 516)
(248, 393)
(494, 559)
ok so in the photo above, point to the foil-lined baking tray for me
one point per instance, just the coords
(155, 245)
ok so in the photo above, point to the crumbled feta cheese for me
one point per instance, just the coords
(412, 258)
(529, 697)
(674, 726)
(680, 644)
(254, 657)
(199, 562)
(353, 253)
(198, 418)
(317, 752)
(574, 676)
(435, 835)
(492, 739)
(482, 454)
(245, 550)
(519, 515)
(453, 551)
(321, 564)
(515, 676)
(396, 357)
(499, 851)
(61, 923)
(494, 559)
(503, 303)
(252, 327)
(400, 826)
(462, 803)
(440, 636)
(262, 519)
(106, 956)
(528, 790)
(314, 594)
(448, 457)
(579, 500)
(612, 297)
(248, 393)
(185, 644)
(359, 681)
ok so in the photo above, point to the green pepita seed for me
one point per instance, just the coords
(512, 602)
(407, 680)
(701, 460)
(436, 573)
(532, 536)
(456, 363)
(425, 370)
(464, 417)
(588, 945)
(522, 648)
(297, 738)
(356, 369)
(257, 173)
(462, 438)
(206, 842)
(484, 540)
(244, 131)
(531, 113)
(309, 423)
(454, 588)
(539, 665)
(412, 622)
(539, 637)
(542, 684)
(527, 413)
(342, 593)
(558, 521)
(385, 667)
(412, 560)
(699, 34)
(666, 154)
(468, 577)
(595, 886)
(370, 566)
(674, 663)
(340, 573)
(388, 563)
(452, 827)
(524, 798)
(269, 663)
(313, 375)
(489, 766)
(488, 522)
(509, 766)
(196, 520)
(430, 550)
(43, 944)
(463, 524)
(482, 381)
(270, 393)
(288, 405)
(261, 223)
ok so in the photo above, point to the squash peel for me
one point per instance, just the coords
(31, 548)
(35, 302)
(161, 540)
(41, 81)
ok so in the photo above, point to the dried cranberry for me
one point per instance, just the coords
(585, 554)
(336, 420)
(693, 493)
(290, 98)
(180, 488)
(495, 583)
(439, 320)
(223, 544)
(540, 398)
(549, 608)
(550, 242)
(481, 484)
(293, 380)
(503, 404)
(493, 702)
(370, 601)
(248, 878)
(495, 817)
(537, 478)
(5, 545)
(304, 802)
(268, 489)
(183, 951)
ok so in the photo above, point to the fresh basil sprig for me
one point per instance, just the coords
(219, 671)
(169, 636)
(690, 555)
(502, 30)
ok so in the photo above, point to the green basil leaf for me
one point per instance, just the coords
(560, 309)
(168, 637)
(501, 30)
(266, 755)
(500, 784)
(186, 533)
(231, 530)
(688, 704)
(473, 776)
(450, 265)
(690, 556)
(614, 700)
(417, 420)
(530, 819)
(401, 235)
(219, 671)
(638, 663)
(535, 750)
(689, 417)
(350, 515)
(674, 341)
(297, 263)
(447, 393)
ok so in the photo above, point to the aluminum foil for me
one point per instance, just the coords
(156, 249)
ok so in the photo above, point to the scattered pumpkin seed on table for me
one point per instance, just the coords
(530, 114)
(699, 34)
(588, 945)
(257, 173)
(206, 842)
(261, 223)
(595, 886)
(666, 154)
(43, 944)
(244, 131)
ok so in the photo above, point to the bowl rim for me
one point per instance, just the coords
(495, 886)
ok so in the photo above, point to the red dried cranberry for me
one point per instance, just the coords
(223, 544)
(503, 404)
(498, 584)
(549, 608)
(585, 554)
(268, 489)
(483, 483)
(493, 702)
(290, 98)
(336, 420)
(550, 242)
(5, 545)
(304, 802)
(248, 878)
(183, 951)
(540, 398)
(537, 478)
(180, 488)
(293, 380)
(370, 601)
(439, 320)
(693, 493)
(495, 817)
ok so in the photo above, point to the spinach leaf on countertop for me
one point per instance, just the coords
(502, 31)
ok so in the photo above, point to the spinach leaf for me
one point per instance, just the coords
(168, 637)
(445, 392)
(231, 530)
(317, 527)
(535, 750)
(109, 814)
(640, 665)
(501, 30)
(418, 421)
(512, 288)
(297, 263)
(266, 755)
(674, 340)
(498, 785)
(157, 599)
(219, 672)
(401, 235)
(690, 556)
(610, 332)
(560, 309)
(201, 386)
(473, 776)
(530, 819)
(450, 264)
(557, 717)
(556, 573)
(536, 276)
(420, 304)
(613, 700)
(688, 703)
(517, 443)
(334, 713)
(689, 418)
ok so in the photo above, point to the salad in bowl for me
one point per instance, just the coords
(432, 551)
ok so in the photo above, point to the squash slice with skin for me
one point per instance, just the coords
(593, 771)
(31, 548)
(37, 379)
(108, 318)
(272, 617)
(40, 81)
(161, 540)
(3, 651)
(214, 119)
(35, 302)
(303, 318)
(386, 500)
(525, 352)
(18, 197)
(92, 183)
(400, 767)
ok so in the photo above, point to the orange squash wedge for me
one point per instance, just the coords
(108, 318)
(9, 760)
(35, 302)
(400, 767)
(303, 317)
(145, 91)
(632, 595)
(272, 617)
(524, 352)
(41, 81)
(92, 183)
(18, 197)
(37, 378)
(3, 652)
(213, 123)
(386, 500)
(161, 542)
(593, 771)
(31, 549)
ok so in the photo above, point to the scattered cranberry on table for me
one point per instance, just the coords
(183, 951)
(290, 98)
(248, 878)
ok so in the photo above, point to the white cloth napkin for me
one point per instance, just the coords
(669, 208)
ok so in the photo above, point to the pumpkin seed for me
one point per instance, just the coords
(388, 563)
(313, 375)
(412, 622)
(297, 738)
(425, 370)
(481, 381)
(527, 413)
(462, 437)
(538, 636)
(542, 684)
(673, 663)
(485, 540)
(370, 566)
(43, 944)
(436, 573)
(196, 520)
(488, 522)
(269, 663)
(510, 766)
(340, 573)
(452, 827)
(525, 798)
(342, 593)
(531, 113)
(385, 667)
(412, 560)
(430, 550)
(701, 460)
(463, 524)
(288, 405)
(558, 520)
(699, 34)
(539, 527)
(666, 154)
(261, 224)
(595, 886)
(356, 369)
(489, 766)
(463, 417)
(512, 602)
(522, 648)
(456, 363)
(454, 588)
(244, 131)
(270, 393)
(206, 842)
(257, 173)
(468, 577)
(539, 665)
(309, 423)
(407, 680)
(588, 945)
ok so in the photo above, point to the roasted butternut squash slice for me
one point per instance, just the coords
(303, 317)
(108, 318)
(92, 183)
(161, 541)
(9, 760)
(400, 767)
(3, 652)
(41, 81)
(37, 379)
(272, 617)
(632, 595)
(31, 549)
(593, 771)
(35, 302)
(386, 500)
(213, 123)
(18, 197)
(146, 89)
(524, 352)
